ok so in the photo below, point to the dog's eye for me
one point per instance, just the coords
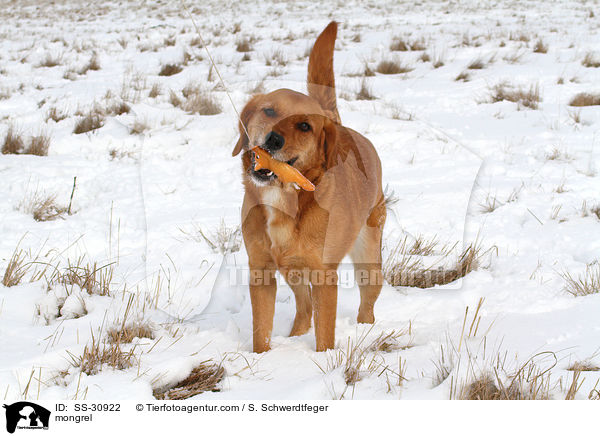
(305, 127)
(269, 111)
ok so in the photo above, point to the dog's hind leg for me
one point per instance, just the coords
(366, 256)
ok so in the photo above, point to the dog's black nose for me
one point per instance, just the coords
(274, 141)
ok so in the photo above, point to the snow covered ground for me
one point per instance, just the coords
(523, 182)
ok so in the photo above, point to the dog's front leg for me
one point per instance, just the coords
(298, 279)
(263, 288)
(324, 296)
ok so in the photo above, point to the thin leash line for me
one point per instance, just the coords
(216, 69)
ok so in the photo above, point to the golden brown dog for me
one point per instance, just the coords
(305, 235)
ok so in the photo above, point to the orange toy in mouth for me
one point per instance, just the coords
(286, 173)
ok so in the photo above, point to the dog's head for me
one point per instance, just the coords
(292, 127)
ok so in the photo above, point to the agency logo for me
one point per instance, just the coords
(26, 415)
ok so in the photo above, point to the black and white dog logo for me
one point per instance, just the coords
(26, 415)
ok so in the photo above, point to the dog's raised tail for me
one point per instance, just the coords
(320, 81)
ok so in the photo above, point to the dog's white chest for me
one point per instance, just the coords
(281, 208)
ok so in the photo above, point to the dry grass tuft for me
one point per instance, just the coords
(359, 360)
(353, 361)
(191, 89)
(223, 239)
(117, 108)
(16, 268)
(404, 265)
(425, 57)
(540, 47)
(585, 99)
(51, 61)
(530, 381)
(483, 388)
(392, 67)
(196, 41)
(417, 45)
(464, 77)
(444, 365)
(585, 210)
(590, 61)
(471, 41)
(528, 98)
(489, 204)
(42, 207)
(392, 341)
(586, 284)
(39, 145)
(127, 333)
(47, 210)
(155, 91)
(139, 126)
(575, 115)
(174, 98)
(423, 247)
(5, 93)
(399, 113)
(96, 355)
(70, 74)
(91, 121)
(583, 366)
(438, 60)
(365, 92)
(522, 37)
(204, 377)
(514, 57)
(92, 65)
(495, 379)
(133, 86)
(123, 42)
(277, 58)
(89, 277)
(400, 44)
(477, 64)
(574, 386)
(55, 114)
(560, 189)
(257, 88)
(366, 72)
(243, 45)
(170, 41)
(197, 100)
(558, 154)
(13, 142)
(170, 70)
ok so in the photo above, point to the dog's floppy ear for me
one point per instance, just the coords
(336, 149)
(242, 141)
(245, 116)
(328, 142)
